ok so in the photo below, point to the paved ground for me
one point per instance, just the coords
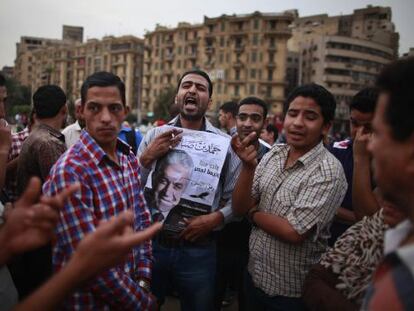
(172, 304)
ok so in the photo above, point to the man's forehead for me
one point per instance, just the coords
(103, 92)
(195, 78)
(251, 109)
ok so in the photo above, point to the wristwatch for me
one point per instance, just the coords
(250, 215)
(144, 284)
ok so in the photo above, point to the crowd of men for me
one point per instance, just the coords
(80, 233)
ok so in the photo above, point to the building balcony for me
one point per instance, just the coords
(278, 32)
(192, 55)
(169, 44)
(239, 48)
(238, 33)
(209, 49)
(233, 81)
(238, 64)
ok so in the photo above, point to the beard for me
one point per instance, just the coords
(190, 117)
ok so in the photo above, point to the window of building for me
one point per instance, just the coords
(253, 57)
(178, 64)
(236, 90)
(253, 73)
(269, 91)
(223, 26)
(270, 74)
(222, 41)
(256, 24)
(221, 58)
(252, 89)
(255, 40)
(237, 74)
(219, 88)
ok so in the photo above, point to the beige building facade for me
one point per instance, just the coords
(344, 53)
(68, 62)
(243, 54)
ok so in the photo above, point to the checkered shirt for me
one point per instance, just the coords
(306, 194)
(16, 146)
(107, 189)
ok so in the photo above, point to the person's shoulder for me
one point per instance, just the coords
(70, 128)
(330, 166)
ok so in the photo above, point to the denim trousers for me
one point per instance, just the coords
(188, 269)
(258, 300)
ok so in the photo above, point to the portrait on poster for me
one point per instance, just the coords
(182, 184)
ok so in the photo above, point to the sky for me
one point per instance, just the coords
(44, 18)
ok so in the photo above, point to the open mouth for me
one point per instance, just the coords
(296, 134)
(190, 101)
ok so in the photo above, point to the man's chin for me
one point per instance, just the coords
(191, 117)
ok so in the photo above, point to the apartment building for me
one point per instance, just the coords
(69, 61)
(344, 53)
(243, 54)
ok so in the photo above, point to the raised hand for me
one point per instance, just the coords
(245, 149)
(109, 244)
(31, 223)
(160, 146)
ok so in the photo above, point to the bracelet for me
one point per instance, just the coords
(144, 284)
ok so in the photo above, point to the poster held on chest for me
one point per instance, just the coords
(183, 183)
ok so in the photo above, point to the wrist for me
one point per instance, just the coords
(218, 218)
(145, 161)
(144, 284)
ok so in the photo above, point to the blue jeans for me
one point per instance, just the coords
(258, 300)
(190, 269)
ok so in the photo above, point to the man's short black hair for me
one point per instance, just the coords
(272, 129)
(48, 100)
(200, 73)
(319, 94)
(231, 107)
(365, 100)
(397, 80)
(2, 80)
(102, 79)
(251, 100)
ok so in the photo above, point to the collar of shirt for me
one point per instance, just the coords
(233, 131)
(311, 155)
(206, 126)
(51, 131)
(394, 236)
(96, 151)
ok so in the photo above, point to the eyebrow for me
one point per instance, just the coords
(196, 83)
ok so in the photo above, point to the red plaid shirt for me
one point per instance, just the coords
(107, 189)
(16, 146)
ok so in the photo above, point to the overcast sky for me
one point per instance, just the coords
(44, 18)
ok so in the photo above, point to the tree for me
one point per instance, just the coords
(17, 95)
(163, 103)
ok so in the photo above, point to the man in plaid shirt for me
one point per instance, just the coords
(16, 146)
(108, 173)
(291, 197)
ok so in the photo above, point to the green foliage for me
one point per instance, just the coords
(163, 103)
(18, 97)
(21, 109)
